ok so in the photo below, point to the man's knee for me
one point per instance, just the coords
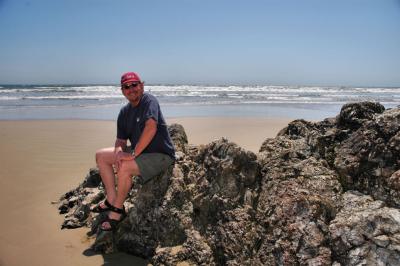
(103, 155)
(99, 156)
(128, 169)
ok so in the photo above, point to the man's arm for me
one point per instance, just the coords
(120, 145)
(148, 134)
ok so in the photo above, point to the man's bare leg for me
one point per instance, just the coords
(125, 173)
(105, 158)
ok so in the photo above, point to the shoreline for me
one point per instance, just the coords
(203, 129)
(166, 118)
(110, 112)
(45, 158)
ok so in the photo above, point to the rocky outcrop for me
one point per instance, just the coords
(320, 193)
(299, 195)
(366, 232)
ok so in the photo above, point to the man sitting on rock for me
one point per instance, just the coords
(142, 122)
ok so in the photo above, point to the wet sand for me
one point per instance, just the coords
(42, 159)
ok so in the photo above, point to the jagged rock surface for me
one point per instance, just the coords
(366, 232)
(287, 205)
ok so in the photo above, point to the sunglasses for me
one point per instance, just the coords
(129, 86)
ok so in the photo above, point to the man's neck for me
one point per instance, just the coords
(136, 103)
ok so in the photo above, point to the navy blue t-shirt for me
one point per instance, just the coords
(131, 122)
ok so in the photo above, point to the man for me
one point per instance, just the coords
(142, 122)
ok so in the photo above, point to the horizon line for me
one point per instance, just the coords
(199, 84)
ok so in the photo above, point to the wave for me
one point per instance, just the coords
(9, 98)
(314, 91)
(73, 97)
(25, 95)
(271, 89)
(62, 89)
(83, 88)
(227, 102)
(210, 98)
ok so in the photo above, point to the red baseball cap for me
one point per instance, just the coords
(130, 77)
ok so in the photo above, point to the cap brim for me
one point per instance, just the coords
(130, 80)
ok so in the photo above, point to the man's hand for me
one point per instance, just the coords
(122, 156)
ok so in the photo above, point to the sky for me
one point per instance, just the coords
(269, 42)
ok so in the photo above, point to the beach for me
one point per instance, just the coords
(325, 192)
(42, 159)
(49, 136)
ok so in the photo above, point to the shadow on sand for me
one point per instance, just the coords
(118, 258)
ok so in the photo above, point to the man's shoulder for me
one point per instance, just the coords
(148, 98)
(125, 108)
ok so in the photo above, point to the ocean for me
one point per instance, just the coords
(18, 102)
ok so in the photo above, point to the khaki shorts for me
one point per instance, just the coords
(152, 164)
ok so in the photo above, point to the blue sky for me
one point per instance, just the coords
(309, 42)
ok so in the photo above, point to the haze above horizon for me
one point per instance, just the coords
(311, 42)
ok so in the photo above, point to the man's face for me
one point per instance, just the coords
(132, 91)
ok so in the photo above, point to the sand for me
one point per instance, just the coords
(249, 133)
(41, 160)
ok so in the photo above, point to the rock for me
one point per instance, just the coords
(353, 115)
(93, 179)
(320, 193)
(193, 252)
(178, 136)
(299, 196)
(298, 129)
(146, 223)
(365, 232)
(369, 157)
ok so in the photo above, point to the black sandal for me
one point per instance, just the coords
(113, 222)
(99, 209)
